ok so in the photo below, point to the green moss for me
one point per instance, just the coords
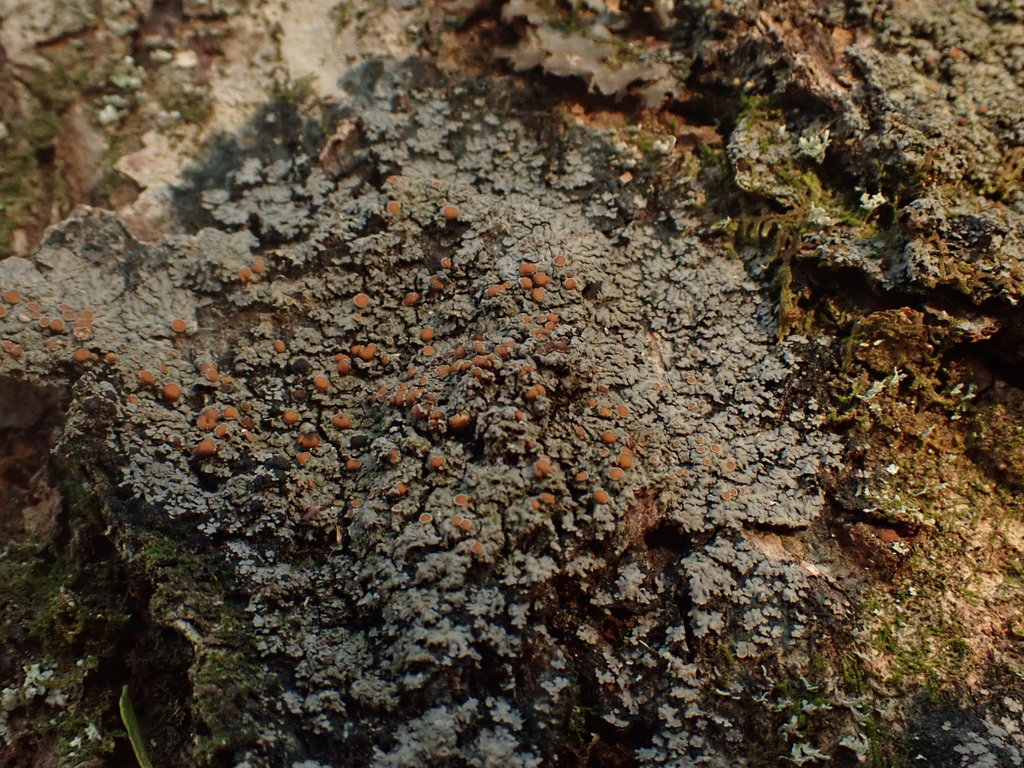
(87, 617)
(222, 695)
(886, 747)
(29, 189)
(72, 602)
(804, 179)
(340, 14)
(565, 18)
(1007, 180)
(195, 107)
(651, 143)
(224, 702)
(22, 173)
(996, 437)
(799, 709)
(295, 92)
(947, 506)
(754, 105)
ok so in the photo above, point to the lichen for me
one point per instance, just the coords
(562, 426)
(592, 41)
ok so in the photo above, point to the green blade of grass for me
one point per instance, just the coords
(131, 724)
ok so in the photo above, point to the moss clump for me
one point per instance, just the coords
(192, 104)
(66, 609)
(997, 435)
(188, 596)
(31, 189)
(23, 174)
(930, 515)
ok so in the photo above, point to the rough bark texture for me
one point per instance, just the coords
(515, 383)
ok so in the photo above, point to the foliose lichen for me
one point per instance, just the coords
(482, 453)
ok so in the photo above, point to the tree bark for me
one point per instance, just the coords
(512, 384)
